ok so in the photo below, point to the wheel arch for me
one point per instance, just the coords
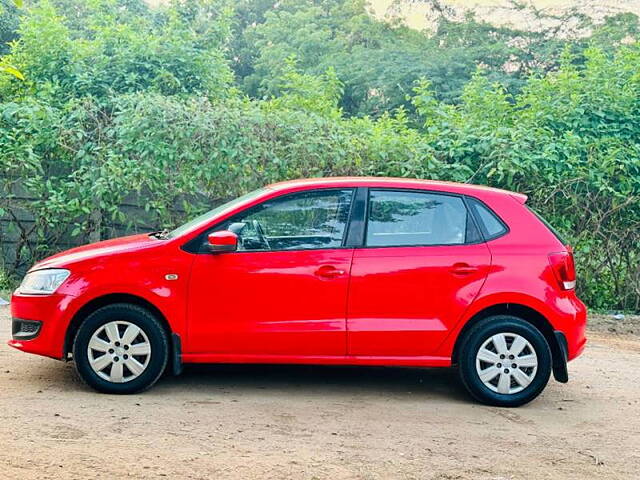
(109, 299)
(526, 313)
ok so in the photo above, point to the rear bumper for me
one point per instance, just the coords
(568, 317)
(575, 328)
(51, 313)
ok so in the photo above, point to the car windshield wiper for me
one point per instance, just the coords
(160, 234)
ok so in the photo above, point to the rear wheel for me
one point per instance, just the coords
(121, 348)
(504, 361)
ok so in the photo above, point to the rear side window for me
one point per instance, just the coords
(490, 224)
(398, 218)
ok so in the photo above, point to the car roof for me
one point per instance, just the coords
(390, 182)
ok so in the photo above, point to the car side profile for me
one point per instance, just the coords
(336, 271)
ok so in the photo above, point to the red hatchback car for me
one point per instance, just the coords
(340, 271)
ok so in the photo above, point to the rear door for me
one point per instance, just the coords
(422, 264)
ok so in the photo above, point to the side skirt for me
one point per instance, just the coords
(422, 361)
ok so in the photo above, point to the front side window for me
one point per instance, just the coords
(399, 218)
(300, 221)
(219, 210)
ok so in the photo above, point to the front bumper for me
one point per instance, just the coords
(51, 313)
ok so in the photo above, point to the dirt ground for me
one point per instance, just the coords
(333, 423)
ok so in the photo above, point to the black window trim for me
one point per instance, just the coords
(358, 219)
(480, 224)
(419, 190)
(197, 244)
(354, 235)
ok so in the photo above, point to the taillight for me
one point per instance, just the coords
(564, 269)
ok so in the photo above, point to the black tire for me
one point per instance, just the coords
(133, 314)
(476, 337)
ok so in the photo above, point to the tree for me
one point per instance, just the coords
(378, 62)
(102, 50)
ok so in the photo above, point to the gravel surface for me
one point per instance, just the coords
(320, 423)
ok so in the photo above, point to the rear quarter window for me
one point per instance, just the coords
(490, 224)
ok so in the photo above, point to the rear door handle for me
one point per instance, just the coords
(463, 269)
(329, 271)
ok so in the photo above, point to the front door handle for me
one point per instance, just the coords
(463, 269)
(329, 271)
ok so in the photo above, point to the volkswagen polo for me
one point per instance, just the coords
(339, 271)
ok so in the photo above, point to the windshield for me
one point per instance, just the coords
(206, 217)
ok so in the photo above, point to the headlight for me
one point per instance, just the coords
(43, 282)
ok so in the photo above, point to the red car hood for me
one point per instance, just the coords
(99, 249)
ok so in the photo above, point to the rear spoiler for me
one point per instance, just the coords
(519, 197)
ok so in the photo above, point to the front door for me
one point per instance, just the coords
(421, 266)
(284, 291)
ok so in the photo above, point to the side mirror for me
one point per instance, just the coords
(222, 241)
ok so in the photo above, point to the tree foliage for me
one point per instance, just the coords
(9, 13)
(102, 48)
(378, 63)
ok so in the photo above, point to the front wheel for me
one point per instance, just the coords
(120, 348)
(504, 361)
